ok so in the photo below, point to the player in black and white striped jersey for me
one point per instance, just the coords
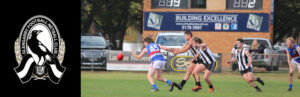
(195, 52)
(187, 46)
(244, 60)
(207, 63)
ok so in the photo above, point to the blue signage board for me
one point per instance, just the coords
(196, 21)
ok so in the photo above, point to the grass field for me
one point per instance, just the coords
(228, 84)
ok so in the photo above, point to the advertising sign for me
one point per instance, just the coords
(223, 22)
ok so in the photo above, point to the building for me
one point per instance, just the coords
(218, 22)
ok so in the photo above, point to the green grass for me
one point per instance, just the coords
(135, 84)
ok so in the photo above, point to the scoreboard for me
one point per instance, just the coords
(169, 3)
(244, 4)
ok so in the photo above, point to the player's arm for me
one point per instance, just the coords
(196, 56)
(183, 49)
(140, 55)
(289, 60)
(202, 45)
(298, 49)
(175, 49)
(232, 60)
(249, 57)
(165, 48)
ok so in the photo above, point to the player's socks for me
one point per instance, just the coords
(182, 83)
(260, 81)
(257, 89)
(197, 87)
(179, 86)
(290, 87)
(168, 82)
(198, 83)
(211, 86)
(154, 86)
(176, 85)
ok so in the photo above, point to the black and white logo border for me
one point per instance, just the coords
(36, 65)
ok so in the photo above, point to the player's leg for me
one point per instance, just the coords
(290, 81)
(159, 67)
(208, 81)
(159, 77)
(298, 73)
(247, 76)
(252, 78)
(209, 69)
(248, 79)
(196, 73)
(150, 78)
(150, 74)
(291, 73)
(298, 66)
(291, 77)
(187, 73)
(185, 77)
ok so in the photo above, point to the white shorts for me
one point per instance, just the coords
(295, 62)
(158, 64)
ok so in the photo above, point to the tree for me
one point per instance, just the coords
(112, 16)
(286, 19)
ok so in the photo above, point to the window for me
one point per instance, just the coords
(198, 3)
(171, 40)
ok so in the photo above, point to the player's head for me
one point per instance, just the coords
(148, 40)
(188, 35)
(197, 40)
(239, 43)
(290, 42)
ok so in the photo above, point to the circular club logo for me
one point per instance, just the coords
(39, 51)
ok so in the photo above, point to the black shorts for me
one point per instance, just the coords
(197, 62)
(210, 67)
(250, 69)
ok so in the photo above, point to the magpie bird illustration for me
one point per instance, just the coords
(45, 58)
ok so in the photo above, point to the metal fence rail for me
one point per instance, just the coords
(270, 62)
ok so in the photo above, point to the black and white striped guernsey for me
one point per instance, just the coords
(206, 56)
(194, 51)
(242, 59)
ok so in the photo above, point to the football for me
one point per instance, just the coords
(120, 56)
